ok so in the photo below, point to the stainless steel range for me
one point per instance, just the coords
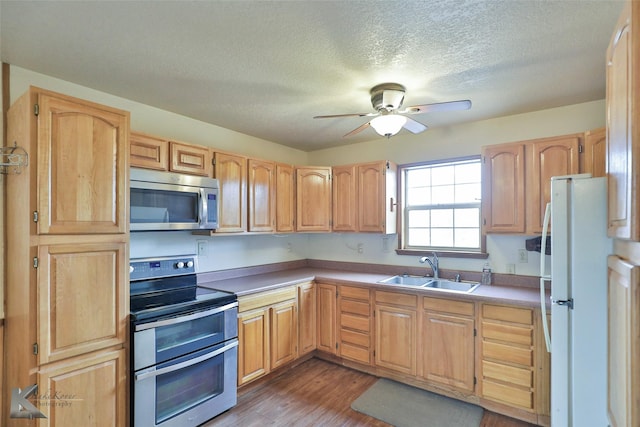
(184, 351)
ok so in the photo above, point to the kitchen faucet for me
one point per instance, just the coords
(433, 264)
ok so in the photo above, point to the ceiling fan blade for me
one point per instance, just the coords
(333, 116)
(358, 129)
(439, 106)
(414, 126)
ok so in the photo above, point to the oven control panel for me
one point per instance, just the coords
(152, 268)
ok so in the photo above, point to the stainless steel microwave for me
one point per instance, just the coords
(172, 201)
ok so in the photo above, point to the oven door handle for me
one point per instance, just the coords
(187, 318)
(155, 372)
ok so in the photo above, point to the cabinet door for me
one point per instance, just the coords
(189, 158)
(546, 158)
(396, 339)
(284, 333)
(326, 318)
(594, 159)
(376, 197)
(285, 198)
(148, 152)
(345, 200)
(83, 149)
(83, 298)
(253, 346)
(231, 172)
(262, 192)
(623, 138)
(87, 391)
(623, 392)
(306, 318)
(313, 199)
(503, 198)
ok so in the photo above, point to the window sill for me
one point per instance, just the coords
(443, 254)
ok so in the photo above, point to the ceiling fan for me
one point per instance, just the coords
(386, 99)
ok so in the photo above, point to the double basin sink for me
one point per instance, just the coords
(431, 283)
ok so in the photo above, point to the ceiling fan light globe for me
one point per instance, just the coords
(388, 125)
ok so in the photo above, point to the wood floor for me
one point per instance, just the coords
(314, 393)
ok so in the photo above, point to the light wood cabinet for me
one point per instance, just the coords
(447, 353)
(189, 158)
(623, 392)
(306, 318)
(285, 198)
(503, 198)
(231, 172)
(313, 198)
(594, 153)
(262, 195)
(396, 331)
(354, 324)
(267, 332)
(148, 152)
(327, 301)
(377, 200)
(345, 198)
(67, 284)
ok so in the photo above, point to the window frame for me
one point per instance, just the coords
(449, 252)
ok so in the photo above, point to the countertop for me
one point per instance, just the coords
(246, 285)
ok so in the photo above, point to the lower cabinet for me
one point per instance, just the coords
(267, 332)
(306, 318)
(396, 331)
(447, 353)
(327, 301)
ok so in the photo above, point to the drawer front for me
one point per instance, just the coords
(506, 353)
(509, 374)
(397, 299)
(508, 333)
(263, 299)
(354, 293)
(514, 396)
(354, 307)
(448, 306)
(351, 321)
(356, 338)
(359, 354)
(508, 314)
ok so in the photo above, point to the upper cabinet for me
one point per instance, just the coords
(262, 195)
(149, 152)
(231, 172)
(189, 158)
(313, 198)
(594, 159)
(285, 198)
(345, 199)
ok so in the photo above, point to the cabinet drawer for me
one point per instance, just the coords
(509, 374)
(355, 307)
(356, 322)
(354, 293)
(506, 353)
(397, 299)
(356, 353)
(448, 306)
(262, 299)
(356, 338)
(522, 398)
(508, 314)
(508, 333)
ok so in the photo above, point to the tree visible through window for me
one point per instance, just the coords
(442, 206)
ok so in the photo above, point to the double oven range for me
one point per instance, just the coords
(184, 345)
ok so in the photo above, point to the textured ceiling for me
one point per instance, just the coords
(265, 68)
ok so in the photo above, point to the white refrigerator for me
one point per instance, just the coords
(578, 274)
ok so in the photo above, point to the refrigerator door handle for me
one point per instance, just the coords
(543, 278)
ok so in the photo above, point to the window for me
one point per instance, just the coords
(441, 206)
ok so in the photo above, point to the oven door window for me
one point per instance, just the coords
(184, 337)
(184, 388)
(163, 206)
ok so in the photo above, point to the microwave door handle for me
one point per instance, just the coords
(202, 207)
(185, 364)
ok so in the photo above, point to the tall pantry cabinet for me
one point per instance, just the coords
(67, 282)
(623, 169)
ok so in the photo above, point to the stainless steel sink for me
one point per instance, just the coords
(407, 280)
(449, 285)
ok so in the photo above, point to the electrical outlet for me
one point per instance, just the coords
(360, 249)
(523, 255)
(289, 247)
(202, 248)
(511, 269)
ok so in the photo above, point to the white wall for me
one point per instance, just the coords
(438, 143)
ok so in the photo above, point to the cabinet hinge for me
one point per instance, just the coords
(35, 216)
(475, 381)
(35, 262)
(388, 165)
(336, 346)
(484, 159)
(484, 221)
(475, 332)
(580, 148)
(36, 109)
(35, 348)
(213, 161)
(336, 293)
